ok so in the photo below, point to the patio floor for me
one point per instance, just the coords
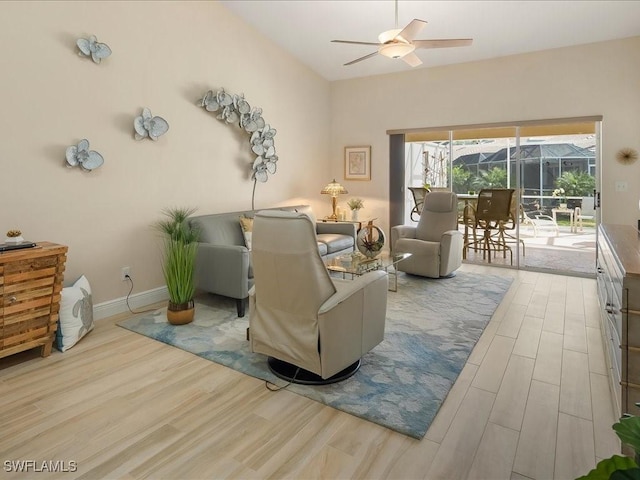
(567, 252)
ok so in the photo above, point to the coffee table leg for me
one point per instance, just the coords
(393, 274)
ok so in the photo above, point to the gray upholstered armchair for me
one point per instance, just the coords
(435, 243)
(313, 328)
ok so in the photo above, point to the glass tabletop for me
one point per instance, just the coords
(358, 264)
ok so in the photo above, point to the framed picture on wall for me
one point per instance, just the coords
(357, 163)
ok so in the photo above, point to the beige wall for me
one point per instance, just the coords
(596, 79)
(166, 55)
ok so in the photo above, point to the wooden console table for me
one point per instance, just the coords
(30, 288)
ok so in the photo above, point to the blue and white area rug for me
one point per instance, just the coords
(431, 328)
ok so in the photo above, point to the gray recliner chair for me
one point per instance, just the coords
(435, 243)
(314, 328)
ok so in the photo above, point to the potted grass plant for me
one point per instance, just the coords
(178, 265)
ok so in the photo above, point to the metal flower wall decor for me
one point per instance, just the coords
(235, 109)
(90, 47)
(80, 156)
(146, 125)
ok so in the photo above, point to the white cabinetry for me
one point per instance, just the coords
(618, 277)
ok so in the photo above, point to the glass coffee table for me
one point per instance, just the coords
(357, 264)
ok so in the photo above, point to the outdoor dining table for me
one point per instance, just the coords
(467, 197)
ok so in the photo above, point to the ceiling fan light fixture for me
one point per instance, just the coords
(389, 35)
(396, 50)
(401, 43)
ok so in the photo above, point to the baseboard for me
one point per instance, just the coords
(137, 301)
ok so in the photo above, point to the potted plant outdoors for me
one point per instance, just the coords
(355, 204)
(178, 265)
(560, 193)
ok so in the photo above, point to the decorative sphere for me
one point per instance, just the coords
(370, 241)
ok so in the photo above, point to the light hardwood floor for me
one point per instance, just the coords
(532, 402)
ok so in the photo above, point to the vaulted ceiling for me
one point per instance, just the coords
(305, 28)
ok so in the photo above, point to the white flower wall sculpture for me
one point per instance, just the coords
(146, 125)
(262, 145)
(235, 109)
(80, 156)
(90, 47)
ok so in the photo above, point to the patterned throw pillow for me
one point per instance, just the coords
(246, 223)
(76, 314)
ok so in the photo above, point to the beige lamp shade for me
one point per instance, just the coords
(334, 189)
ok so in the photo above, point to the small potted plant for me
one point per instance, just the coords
(355, 204)
(560, 193)
(178, 265)
(14, 236)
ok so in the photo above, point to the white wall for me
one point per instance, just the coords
(166, 55)
(596, 79)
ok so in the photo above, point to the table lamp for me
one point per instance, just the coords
(334, 189)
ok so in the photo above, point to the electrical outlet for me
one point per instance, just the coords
(126, 271)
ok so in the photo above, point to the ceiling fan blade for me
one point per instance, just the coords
(452, 42)
(412, 59)
(412, 29)
(361, 58)
(356, 43)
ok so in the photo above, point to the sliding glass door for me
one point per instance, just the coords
(559, 178)
(552, 166)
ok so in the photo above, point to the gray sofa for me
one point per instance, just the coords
(223, 264)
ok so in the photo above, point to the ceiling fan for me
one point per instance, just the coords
(400, 43)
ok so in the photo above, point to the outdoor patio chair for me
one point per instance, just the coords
(468, 219)
(493, 209)
(586, 211)
(510, 225)
(539, 221)
(418, 200)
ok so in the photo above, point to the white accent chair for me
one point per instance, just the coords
(314, 328)
(435, 243)
(586, 211)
